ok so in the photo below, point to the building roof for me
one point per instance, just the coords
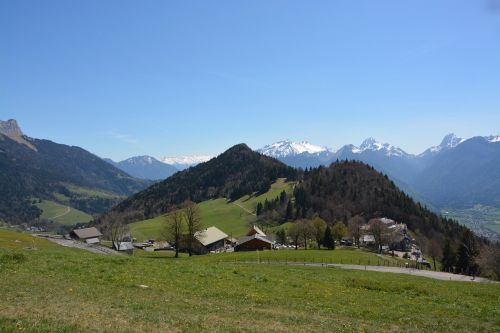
(245, 239)
(256, 230)
(123, 246)
(87, 233)
(210, 235)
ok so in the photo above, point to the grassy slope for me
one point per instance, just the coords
(52, 209)
(229, 217)
(56, 289)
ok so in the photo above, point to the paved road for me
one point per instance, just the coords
(386, 269)
(80, 245)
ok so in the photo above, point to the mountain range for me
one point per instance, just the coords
(456, 173)
(34, 170)
(145, 167)
(337, 192)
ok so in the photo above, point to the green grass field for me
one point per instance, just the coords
(50, 288)
(62, 214)
(234, 218)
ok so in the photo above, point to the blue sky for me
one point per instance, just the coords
(123, 78)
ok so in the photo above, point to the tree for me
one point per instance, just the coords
(115, 228)
(289, 211)
(489, 261)
(259, 209)
(449, 257)
(294, 233)
(194, 224)
(379, 231)
(306, 231)
(339, 230)
(319, 226)
(467, 253)
(281, 236)
(174, 230)
(354, 228)
(434, 250)
(328, 240)
(282, 197)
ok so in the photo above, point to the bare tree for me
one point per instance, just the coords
(294, 233)
(319, 226)
(489, 261)
(379, 231)
(306, 231)
(174, 229)
(434, 250)
(115, 229)
(194, 224)
(354, 228)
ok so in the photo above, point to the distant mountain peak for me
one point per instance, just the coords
(449, 141)
(493, 138)
(141, 160)
(370, 144)
(186, 161)
(287, 147)
(11, 129)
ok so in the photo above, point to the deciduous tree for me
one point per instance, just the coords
(174, 229)
(194, 224)
(319, 226)
(354, 228)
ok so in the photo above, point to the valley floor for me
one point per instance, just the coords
(49, 288)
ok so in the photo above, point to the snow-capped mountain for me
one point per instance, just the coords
(145, 167)
(287, 148)
(493, 138)
(450, 141)
(298, 154)
(373, 145)
(184, 162)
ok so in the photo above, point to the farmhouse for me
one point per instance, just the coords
(88, 235)
(254, 242)
(211, 239)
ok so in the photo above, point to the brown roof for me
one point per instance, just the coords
(256, 230)
(245, 239)
(87, 233)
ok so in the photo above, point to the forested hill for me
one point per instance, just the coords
(41, 169)
(349, 188)
(234, 173)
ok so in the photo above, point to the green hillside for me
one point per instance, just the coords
(62, 214)
(50, 288)
(234, 218)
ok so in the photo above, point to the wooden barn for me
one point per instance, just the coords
(88, 235)
(255, 240)
(210, 239)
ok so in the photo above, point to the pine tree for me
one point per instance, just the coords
(449, 257)
(259, 209)
(328, 241)
(289, 211)
(282, 197)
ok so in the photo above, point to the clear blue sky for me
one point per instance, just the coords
(123, 78)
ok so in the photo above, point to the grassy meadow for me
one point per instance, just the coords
(49, 288)
(234, 218)
(62, 214)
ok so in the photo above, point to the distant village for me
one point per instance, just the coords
(396, 241)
